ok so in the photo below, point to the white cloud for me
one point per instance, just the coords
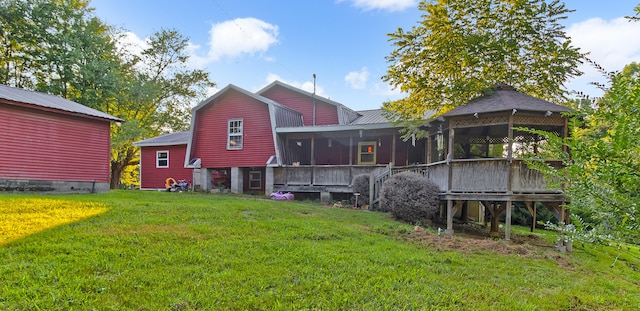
(357, 80)
(306, 85)
(386, 5)
(241, 36)
(131, 44)
(610, 43)
(386, 90)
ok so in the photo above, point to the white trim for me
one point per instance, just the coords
(238, 126)
(158, 152)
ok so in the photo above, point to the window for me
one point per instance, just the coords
(234, 140)
(162, 159)
(255, 180)
(367, 152)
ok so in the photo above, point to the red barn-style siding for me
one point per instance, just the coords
(39, 145)
(326, 114)
(209, 141)
(153, 177)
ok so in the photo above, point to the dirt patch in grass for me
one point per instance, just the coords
(469, 238)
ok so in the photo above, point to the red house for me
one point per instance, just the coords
(162, 157)
(279, 138)
(52, 144)
(285, 139)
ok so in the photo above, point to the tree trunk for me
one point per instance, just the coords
(495, 227)
(116, 174)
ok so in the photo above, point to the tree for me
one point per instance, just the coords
(462, 48)
(159, 90)
(601, 173)
(59, 47)
(47, 42)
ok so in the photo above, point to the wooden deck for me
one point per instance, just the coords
(468, 179)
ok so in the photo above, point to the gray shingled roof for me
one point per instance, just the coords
(50, 101)
(506, 98)
(177, 138)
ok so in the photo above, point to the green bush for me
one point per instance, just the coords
(410, 197)
(360, 185)
(520, 215)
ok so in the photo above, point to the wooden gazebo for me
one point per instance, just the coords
(476, 155)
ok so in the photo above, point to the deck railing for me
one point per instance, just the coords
(456, 176)
(483, 175)
(323, 176)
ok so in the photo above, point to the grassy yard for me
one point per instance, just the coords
(132, 250)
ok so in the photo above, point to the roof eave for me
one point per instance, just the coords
(337, 128)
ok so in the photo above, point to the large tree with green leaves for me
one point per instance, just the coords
(461, 48)
(158, 93)
(601, 174)
(59, 47)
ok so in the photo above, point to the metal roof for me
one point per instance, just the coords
(50, 101)
(177, 138)
(505, 98)
(370, 117)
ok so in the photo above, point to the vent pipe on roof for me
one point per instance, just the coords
(314, 99)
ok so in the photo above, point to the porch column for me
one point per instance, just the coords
(236, 180)
(350, 150)
(268, 180)
(205, 179)
(313, 150)
(450, 213)
(449, 157)
(507, 222)
(510, 139)
(393, 149)
(428, 151)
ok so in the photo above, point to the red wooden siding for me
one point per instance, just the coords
(210, 132)
(326, 114)
(39, 145)
(154, 178)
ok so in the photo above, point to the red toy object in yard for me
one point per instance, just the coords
(281, 196)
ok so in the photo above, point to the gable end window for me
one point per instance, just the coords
(234, 138)
(162, 159)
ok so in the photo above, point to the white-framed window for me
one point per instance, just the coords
(255, 180)
(234, 138)
(162, 159)
(367, 152)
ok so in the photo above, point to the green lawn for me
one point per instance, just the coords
(132, 250)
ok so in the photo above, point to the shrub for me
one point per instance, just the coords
(410, 197)
(360, 185)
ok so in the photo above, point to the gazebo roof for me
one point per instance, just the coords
(506, 98)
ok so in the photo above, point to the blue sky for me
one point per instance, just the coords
(249, 43)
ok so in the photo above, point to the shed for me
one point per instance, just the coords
(51, 144)
(162, 157)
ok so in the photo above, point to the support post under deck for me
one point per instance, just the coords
(450, 212)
